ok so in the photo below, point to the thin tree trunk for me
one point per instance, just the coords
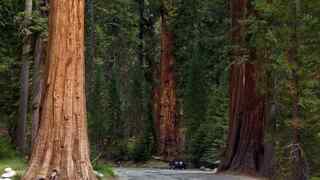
(38, 83)
(299, 163)
(156, 105)
(62, 147)
(293, 60)
(245, 146)
(141, 33)
(38, 77)
(152, 76)
(141, 61)
(168, 131)
(24, 82)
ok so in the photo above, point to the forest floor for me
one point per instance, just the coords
(163, 174)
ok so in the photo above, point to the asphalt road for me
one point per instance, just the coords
(162, 174)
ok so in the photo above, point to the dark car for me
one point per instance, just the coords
(177, 164)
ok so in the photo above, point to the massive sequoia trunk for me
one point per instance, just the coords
(168, 131)
(61, 147)
(245, 148)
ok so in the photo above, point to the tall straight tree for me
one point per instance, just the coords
(61, 150)
(39, 69)
(24, 80)
(299, 164)
(141, 32)
(245, 147)
(152, 64)
(168, 130)
(37, 86)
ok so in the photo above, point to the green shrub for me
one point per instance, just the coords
(17, 164)
(105, 169)
(205, 143)
(140, 149)
(7, 151)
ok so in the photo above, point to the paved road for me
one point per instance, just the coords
(161, 174)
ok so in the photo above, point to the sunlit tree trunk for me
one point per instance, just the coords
(168, 131)
(24, 81)
(245, 146)
(62, 147)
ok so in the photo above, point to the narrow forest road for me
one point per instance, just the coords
(162, 174)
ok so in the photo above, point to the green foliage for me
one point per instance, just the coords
(202, 50)
(272, 33)
(143, 150)
(17, 164)
(105, 169)
(140, 149)
(9, 157)
(106, 127)
(119, 97)
(10, 43)
(208, 140)
(7, 150)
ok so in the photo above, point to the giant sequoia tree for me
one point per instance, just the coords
(244, 151)
(168, 125)
(61, 147)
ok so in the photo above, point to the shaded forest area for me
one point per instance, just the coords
(234, 81)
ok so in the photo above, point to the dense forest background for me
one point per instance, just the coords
(123, 52)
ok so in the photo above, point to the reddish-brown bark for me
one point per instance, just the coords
(246, 129)
(38, 84)
(245, 148)
(156, 109)
(168, 125)
(40, 67)
(62, 147)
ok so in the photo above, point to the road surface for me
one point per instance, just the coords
(162, 174)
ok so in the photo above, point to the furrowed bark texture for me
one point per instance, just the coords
(168, 131)
(156, 109)
(39, 72)
(245, 148)
(62, 147)
(38, 83)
